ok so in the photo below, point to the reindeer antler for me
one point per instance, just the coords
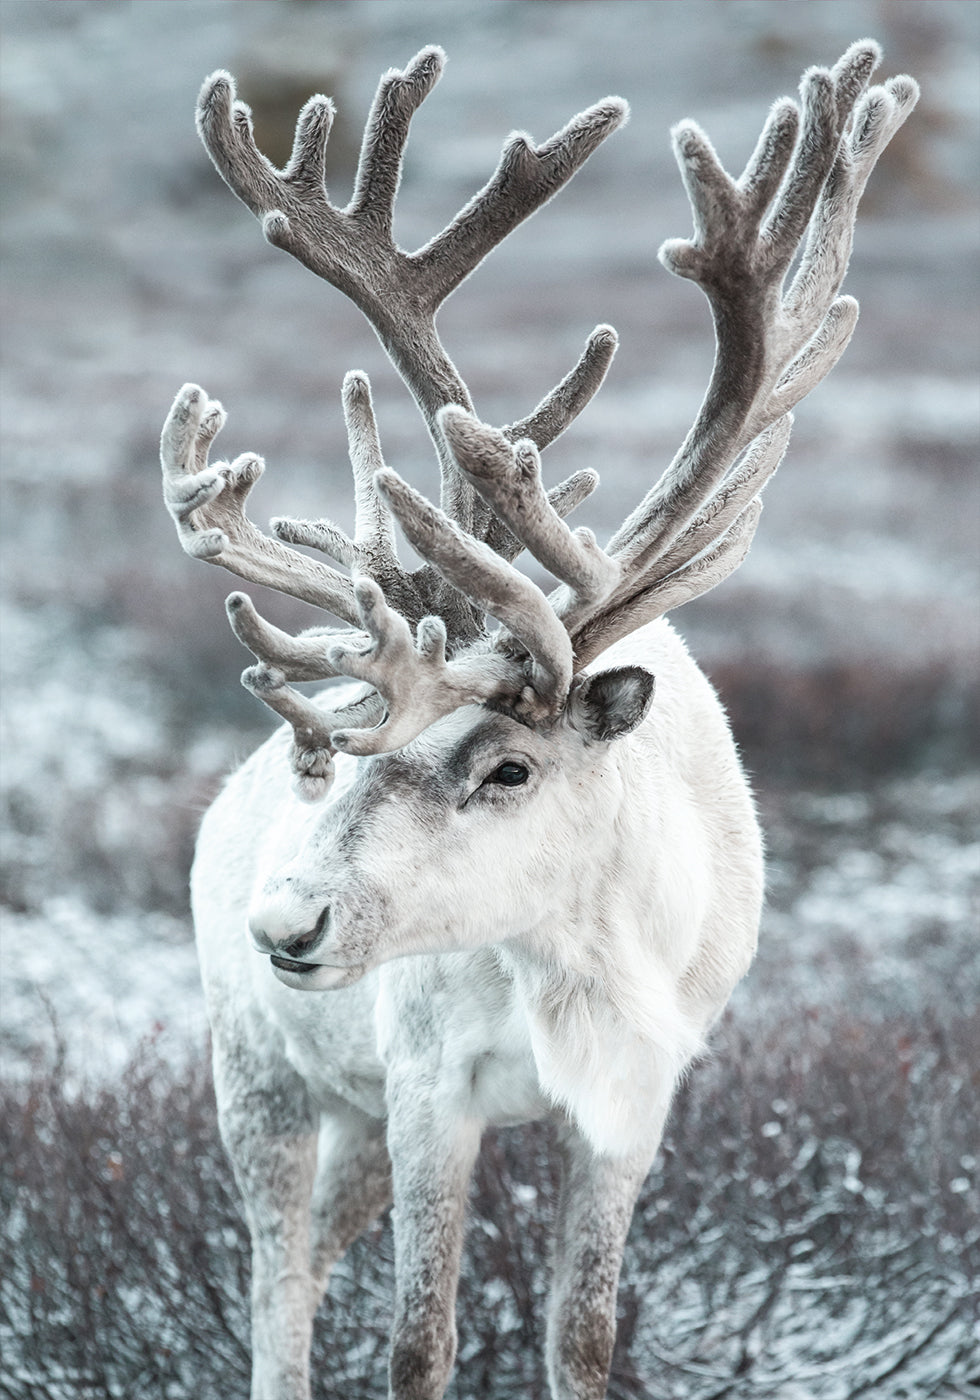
(805, 177)
(353, 248)
(693, 527)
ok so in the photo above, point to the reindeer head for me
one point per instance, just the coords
(415, 850)
(472, 675)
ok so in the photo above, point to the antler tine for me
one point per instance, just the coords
(207, 504)
(805, 176)
(373, 551)
(823, 321)
(526, 177)
(491, 583)
(665, 594)
(831, 233)
(732, 498)
(302, 658)
(691, 566)
(509, 479)
(417, 682)
(567, 399)
(563, 499)
(551, 417)
(283, 658)
(314, 728)
(353, 248)
(399, 96)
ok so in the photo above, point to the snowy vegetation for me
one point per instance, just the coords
(810, 1230)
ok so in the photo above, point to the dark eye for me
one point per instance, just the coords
(509, 775)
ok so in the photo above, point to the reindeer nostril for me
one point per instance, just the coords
(309, 940)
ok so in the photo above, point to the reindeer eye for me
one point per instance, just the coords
(509, 775)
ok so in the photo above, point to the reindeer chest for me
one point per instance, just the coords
(451, 1026)
(329, 1040)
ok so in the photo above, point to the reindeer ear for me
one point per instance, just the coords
(609, 704)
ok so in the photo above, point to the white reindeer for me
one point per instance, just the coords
(533, 886)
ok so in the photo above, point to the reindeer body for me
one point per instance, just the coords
(608, 871)
(520, 884)
(561, 961)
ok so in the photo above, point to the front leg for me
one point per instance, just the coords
(433, 1147)
(268, 1126)
(598, 1194)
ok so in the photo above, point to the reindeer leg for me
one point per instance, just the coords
(433, 1149)
(352, 1186)
(268, 1126)
(595, 1208)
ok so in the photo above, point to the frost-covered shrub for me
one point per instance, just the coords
(124, 1265)
(810, 1229)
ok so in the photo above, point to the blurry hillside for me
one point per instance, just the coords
(846, 645)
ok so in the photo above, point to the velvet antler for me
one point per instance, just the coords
(420, 637)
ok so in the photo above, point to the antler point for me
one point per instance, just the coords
(218, 83)
(904, 89)
(432, 58)
(275, 227)
(261, 679)
(367, 593)
(454, 415)
(869, 49)
(680, 256)
(423, 71)
(387, 479)
(685, 131)
(615, 110)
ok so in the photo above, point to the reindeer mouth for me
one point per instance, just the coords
(315, 977)
(291, 965)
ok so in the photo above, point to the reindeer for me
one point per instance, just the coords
(509, 881)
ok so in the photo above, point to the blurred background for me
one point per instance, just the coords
(845, 647)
